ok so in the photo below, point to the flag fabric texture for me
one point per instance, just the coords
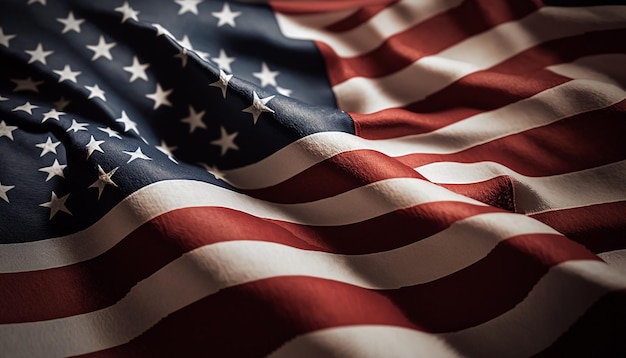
(434, 178)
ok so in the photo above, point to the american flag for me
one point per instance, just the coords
(433, 178)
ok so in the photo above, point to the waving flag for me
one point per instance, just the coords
(349, 178)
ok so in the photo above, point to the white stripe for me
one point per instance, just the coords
(563, 101)
(291, 25)
(432, 73)
(553, 305)
(366, 341)
(208, 269)
(294, 158)
(546, 313)
(371, 34)
(347, 208)
(616, 259)
(527, 329)
(605, 68)
(533, 195)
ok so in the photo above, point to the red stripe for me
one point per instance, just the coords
(307, 7)
(598, 333)
(580, 142)
(100, 282)
(498, 192)
(338, 174)
(489, 287)
(89, 285)
(510, 81)
(282, 306)
(252, 320)
(345, 171)
(490, 90)
(359, 17)
(388, 231)
(398, 51)
(600, 228)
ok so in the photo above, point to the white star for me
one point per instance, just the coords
(55, 169)
(188, 6)
(284, 91)
(70, 23)
(194, 120)
(127, 12)
(42, 2)
(213, 171)
(137, 154)
(48, 147)
(67, 74)
(3, 191)
(4, 39)
(103, 180)
(26, 107)
(202, 55)
(93, 145)
(26, 85)
(95, 91)
(222, 82)
(53, 113)
(226, 16)
(223, 61)
(38, 54)
(226, 141)
(258, 106)
(128, 123)
(6, 131)
(162, 30)
(110, 132)
(266, 76)
(61, 103)
(182, 54)
(137, 70)
(102, 49)
(167, 150)
(76, 126)
(186, 43)
(160, 97)
(56, 204)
